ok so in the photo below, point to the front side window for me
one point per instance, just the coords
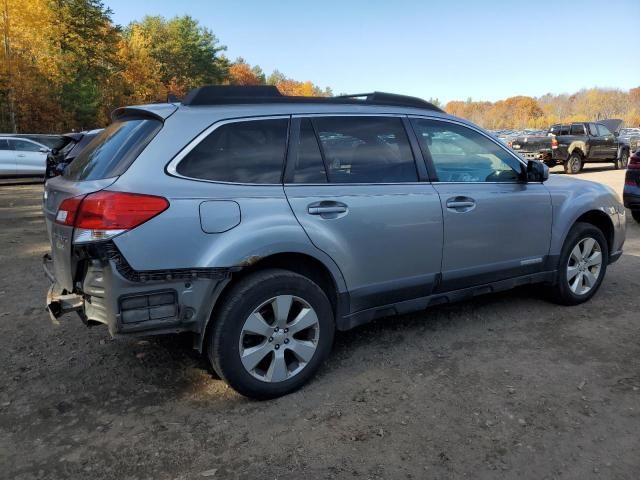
(461, 154)
(22, 146)
(365, 149)
(577, 129)
(604, 131)
(249, 151)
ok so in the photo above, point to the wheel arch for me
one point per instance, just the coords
(597, 218)
(602, 221)
(579, 147)
(297, 262)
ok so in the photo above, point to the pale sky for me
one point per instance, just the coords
(446, 49)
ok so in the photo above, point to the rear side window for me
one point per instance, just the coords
(242, 152)
(577, 129)
(365, 149)
(111, 152)
(22, 146)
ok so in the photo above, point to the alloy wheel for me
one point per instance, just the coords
(584, 266)
(279, 338)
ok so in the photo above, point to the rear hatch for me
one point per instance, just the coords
(107, 156)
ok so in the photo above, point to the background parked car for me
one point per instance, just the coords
(631, 195)
(574, 144)
(22, 157)
(48, 140)
(67, 149)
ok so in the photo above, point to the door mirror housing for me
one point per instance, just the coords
(537, 171)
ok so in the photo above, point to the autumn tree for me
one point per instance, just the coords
(241, 73)
(189, 55)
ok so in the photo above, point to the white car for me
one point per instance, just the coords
(22, 157)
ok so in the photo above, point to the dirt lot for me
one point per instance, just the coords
(506, 386)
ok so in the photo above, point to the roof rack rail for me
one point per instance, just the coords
(382, 98)
(240, 94)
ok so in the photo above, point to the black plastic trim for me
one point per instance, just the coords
(229, 95)
(109, 251)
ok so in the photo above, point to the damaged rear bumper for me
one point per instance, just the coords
(58, 301)
(107, 290)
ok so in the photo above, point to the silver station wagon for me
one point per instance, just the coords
(263, 223)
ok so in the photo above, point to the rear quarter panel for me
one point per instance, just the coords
(176, 239)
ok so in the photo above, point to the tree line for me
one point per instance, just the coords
(528, 112)
(65, 65)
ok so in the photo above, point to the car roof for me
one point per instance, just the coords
(267, 100)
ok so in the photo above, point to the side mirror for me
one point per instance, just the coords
(537, 171)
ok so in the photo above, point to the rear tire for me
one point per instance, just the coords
(257, 350)
(573, 164)
(582, 265)
(621, 163)
(636, 215)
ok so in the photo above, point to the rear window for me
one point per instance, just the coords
(249, 151)
(113, 150)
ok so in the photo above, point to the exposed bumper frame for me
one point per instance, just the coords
(59, 302)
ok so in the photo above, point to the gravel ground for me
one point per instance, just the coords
(505, 386)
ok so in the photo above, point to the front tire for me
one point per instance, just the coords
(273, 331)
(574, 164)
(583, 264)
(621, 163)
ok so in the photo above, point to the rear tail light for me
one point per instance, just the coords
(104, 214)
(554, 143)
(634, 162)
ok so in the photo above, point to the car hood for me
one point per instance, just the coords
(613, 124)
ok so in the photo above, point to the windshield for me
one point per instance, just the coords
(112, 151)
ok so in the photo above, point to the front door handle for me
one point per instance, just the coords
(21, 155)
(326, 208)
(461, 204)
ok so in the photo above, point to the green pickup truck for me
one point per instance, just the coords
(574, 144)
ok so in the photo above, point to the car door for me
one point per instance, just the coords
(30, 160)
(596, 143)
(496, 226)
(7, 158)
(609, 144)
(354, 186)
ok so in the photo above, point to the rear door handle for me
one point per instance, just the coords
(324, 208)
(461, 204)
